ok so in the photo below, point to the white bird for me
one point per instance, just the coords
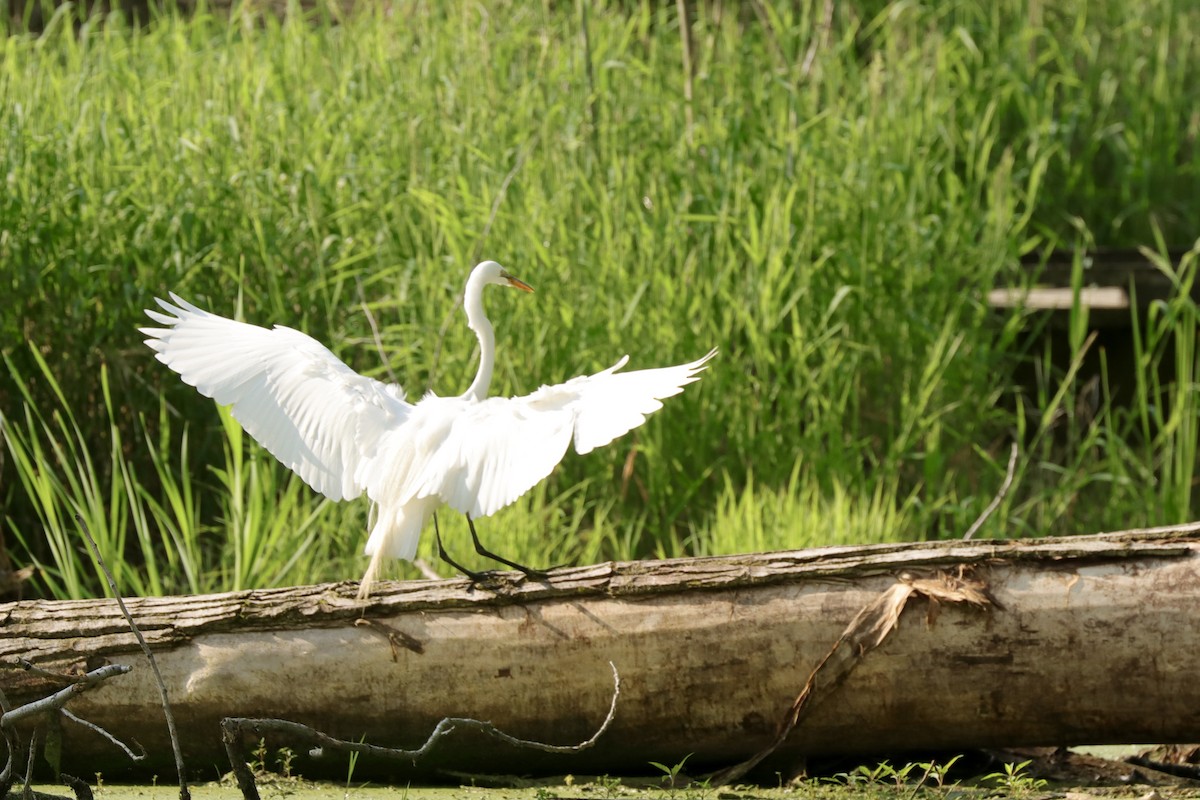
(345, 433)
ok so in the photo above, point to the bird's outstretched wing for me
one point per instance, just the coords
(489, 453)
(310, 410)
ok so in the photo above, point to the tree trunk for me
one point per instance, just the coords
(1087, 639)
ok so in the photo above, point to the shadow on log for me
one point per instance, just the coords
(1091, 640)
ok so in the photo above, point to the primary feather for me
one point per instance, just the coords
(346, 434)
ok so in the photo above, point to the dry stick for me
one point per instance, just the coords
(992, 506)
(184, 794)
(6, 773)
(94, 727)
(56, 701)
(47, 705)
(232, 729)
(29, 666)
(82, 684)
(26, 790)
(6, 777)
(867, 631)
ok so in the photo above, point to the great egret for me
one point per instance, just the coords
(344, 433)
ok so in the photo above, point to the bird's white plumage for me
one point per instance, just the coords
(316, 415)
(344, 433)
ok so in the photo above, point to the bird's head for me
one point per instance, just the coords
(491, 272)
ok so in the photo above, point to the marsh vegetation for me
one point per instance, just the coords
(832, 223)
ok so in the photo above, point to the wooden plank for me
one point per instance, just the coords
(1105, 298)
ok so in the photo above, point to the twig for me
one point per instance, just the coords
(6, 776)
(26, 790)
(992, 506)
(184, 794)
(1191, 771)
(232, 729)
(29, 666)
(396, 638)
(96, 728)
(56, 701)
(77, 684)
(11, 718)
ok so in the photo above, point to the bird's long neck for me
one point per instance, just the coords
(478, 322)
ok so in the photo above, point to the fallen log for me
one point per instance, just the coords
(1089, 639)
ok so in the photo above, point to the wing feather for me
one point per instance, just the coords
(478, 457)
(310, 410)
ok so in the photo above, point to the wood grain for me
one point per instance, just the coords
(1092, 639)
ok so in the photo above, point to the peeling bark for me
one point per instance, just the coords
(1092, 639)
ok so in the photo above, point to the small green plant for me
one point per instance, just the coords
(284, 759)
(1014, 780)
(937, 771)
(878, 775)
(353, 762)
(258, 761)
(609, 787)
(670, 774)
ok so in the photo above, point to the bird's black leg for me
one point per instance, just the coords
(479, 548)
(477, 577)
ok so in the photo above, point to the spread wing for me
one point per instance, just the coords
(481, 456)
(310, 410)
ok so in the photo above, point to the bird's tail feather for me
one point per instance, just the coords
(396, 532)
(371, 575)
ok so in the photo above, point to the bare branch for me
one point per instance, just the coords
(184, 794)
(6, 776)
(94, 727)
(395, 638)
(232, 729)
(992, 506)
(27, 790)
(56, 701)
(29, 666)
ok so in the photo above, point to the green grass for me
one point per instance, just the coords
(834, 232)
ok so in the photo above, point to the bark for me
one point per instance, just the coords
(1078, 640)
